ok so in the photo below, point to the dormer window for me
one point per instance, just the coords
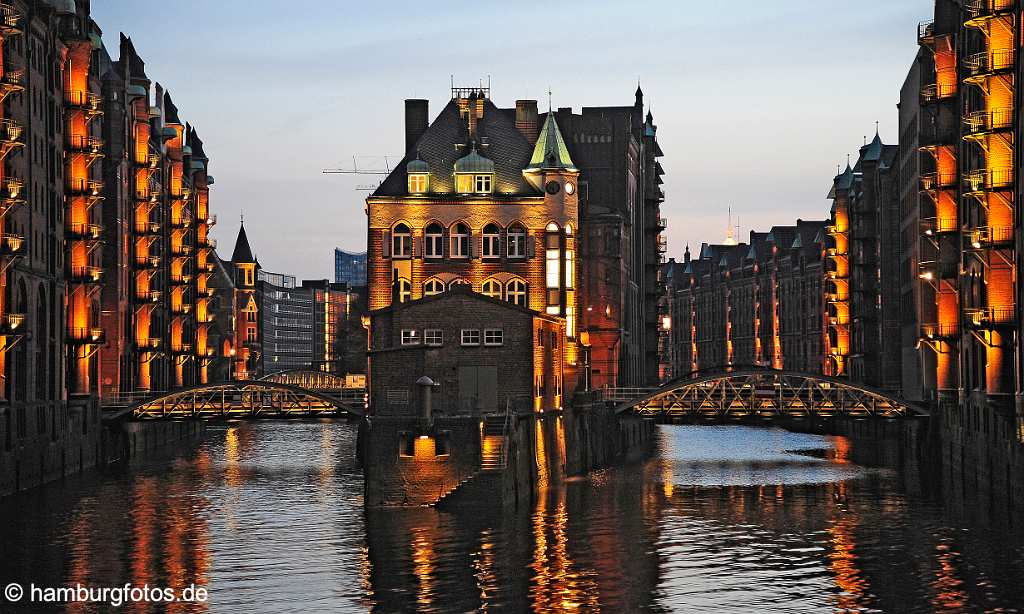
(482, 183)
(419, 176)
(474, 174)
(419, 183)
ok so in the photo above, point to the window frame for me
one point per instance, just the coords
(460, 239)
(491, 242)
(404, 290)
(495, 282)
(483, 183)
(433, 239)
(511, 292)
(516, 236)
(428, 333)
(432, 281)
(496, 333)
(419, 183)
(408, 337)
(401, 239)
(469, 333)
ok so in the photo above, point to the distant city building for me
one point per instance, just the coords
(759, 303)
(276, 279)
(349, 267)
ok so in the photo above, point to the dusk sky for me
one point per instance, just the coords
(756, 102)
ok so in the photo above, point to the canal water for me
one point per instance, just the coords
(268, 517)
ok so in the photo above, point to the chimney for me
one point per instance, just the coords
(415, 122)
(526, 119)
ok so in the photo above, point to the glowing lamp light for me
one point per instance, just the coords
(976, 244)
(927, 275)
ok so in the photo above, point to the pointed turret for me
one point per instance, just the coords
(639, 101)
(549, 154)
(242, 253)
(872, 152)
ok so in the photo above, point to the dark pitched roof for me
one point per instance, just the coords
(242, 253)
(129, 57)
(170, 110)
(196, 144)
(550, 151)
(504, 145)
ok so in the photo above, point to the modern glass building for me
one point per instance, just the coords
(350, 268)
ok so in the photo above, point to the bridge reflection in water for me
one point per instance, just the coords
(268, 516)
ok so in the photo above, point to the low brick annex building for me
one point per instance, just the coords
(465, 342)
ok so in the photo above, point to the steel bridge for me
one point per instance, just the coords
(240, 399)
(760, 392)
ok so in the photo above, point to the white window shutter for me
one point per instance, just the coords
(386, 245)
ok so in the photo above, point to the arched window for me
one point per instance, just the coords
(516, 241)
(432, 287)
(492, 241)
(515, 292)
(434, 238)
(404, 290)
(492, 288)
(568, 229)
(460, 241)
(457, 282)
(401, 242)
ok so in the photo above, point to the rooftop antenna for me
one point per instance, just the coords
(549, 99)
(241, 216)
(876, 127)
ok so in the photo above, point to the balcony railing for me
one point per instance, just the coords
(84, 231)
(12, 80)
(988, 236)
(147, 262)
(181, 222)
(81, 99)
(86, 274)
(181, 308)
(211, 220)
(88, 187)
(90, 144)
(931, 226)
(181, 280)
(181, 348)
(11, 132)
(151, 344)
(988, 179)
(9, 18)
(181, 250)
(937, 181)
(207, 243)
(986, 317)
(935, 330)
(989, 62)
(989, 121)
(147, 296)
(937, 91)
(12, 245)
(89, 336)
(147, 228)
(982, 8)
(10, 323)
(11, 189)
(932, 270)
(925, 32)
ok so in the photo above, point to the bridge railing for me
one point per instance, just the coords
(624, 395)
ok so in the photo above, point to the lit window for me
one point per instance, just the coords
(492, 289)
(250, 334)
(482, 184)
(460, 241)
(552, 269)
(569, 269)
(492, 241)
(432, 287)
(515, 292)
(494, 336)
(404, 290)
(401, 242)
(516, 242)
(418, 183)
(434, 239)
(463, 184)
(433, 336)
(409, 337)
(470, 336)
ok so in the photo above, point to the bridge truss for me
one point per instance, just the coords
(244, 399)
(764, 393)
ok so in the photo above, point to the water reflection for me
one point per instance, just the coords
(268, 516)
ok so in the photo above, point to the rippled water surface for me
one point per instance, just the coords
(268, 517)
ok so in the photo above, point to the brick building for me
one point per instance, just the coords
(759, 303)
(463, 340)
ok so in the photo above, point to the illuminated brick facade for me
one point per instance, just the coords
(481, 199)
(759, 303)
